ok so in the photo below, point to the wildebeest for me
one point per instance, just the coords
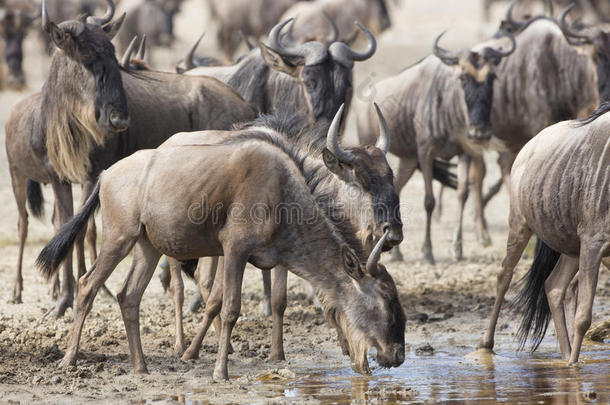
(252, 220)
(250, 18)
(78, 125)
(311, 18)
(353, 186)
(153, 18)
(16, 18)
(567, 164)
(440, 107)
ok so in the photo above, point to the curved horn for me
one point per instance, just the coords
(127, 55)
(106, 18)
(343, 53)
(572, 37)
(312, 52)
(373, 260)
(383, 142)
(142, 48)
(551, 8)
(334, 30)
(509, 14)
(46, 21)
(447, 57)
(332, 139)
(189, 61)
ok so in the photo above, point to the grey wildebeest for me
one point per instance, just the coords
(153, 18)
(567, 164)
(354, 186)
(16, 18)
(439, 108)
(92, 113)
(249, 18)
(311, 18)
(247, 221)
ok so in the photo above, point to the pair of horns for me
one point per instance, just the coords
(314, 52)
(572, 37)
(344, 156)
(452, 58)
(125, 61)
(519, 24)
(46, 21)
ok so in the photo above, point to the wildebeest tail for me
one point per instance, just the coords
(60, 246)
(35, 199)
(531, 300)
(189, 267)
(603, 109)
(441, 172)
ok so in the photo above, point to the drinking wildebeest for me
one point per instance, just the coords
(567, 164)
(353, 186)
(311, 18)
(440, 107)
(78, 125)
(153, 18)
(16, 18)
(249, 18)
(249, 221)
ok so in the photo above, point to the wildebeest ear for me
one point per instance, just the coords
(275, 61)
(58, 36)
(113, 27)
(351, 264)
(332, 163)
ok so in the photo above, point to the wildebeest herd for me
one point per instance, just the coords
(244, 161)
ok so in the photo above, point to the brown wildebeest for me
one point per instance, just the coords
(16, 18)
(353, 186)
(311, 18)
(440, 107)
(153, 18)
(77, 126)
(267, 216)
(567, 164)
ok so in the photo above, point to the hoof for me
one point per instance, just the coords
(62, 305)
(456, 251)
(485, 240)
(179, 349)
(220, 375)
(429, 258)
(16, 299)
(195, 305)
(277, 357)
(189, 355)
(141, 370)
(68, 361)
(396, 255)
(265, 309)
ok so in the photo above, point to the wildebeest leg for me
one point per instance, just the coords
(478, 174)
(145, 260)
(20, 191)
(114, 249)
(213, 304)
(278, 304)
(176, 289)
(462, 194)
(164, 275)
(555, 287)
(493, 190)
(590, 259)
(518, 237)
(65, 211)
(506, 160)
(426, 161)
(54, 281)
(406, 168)
(570, 304)
(235, 264)
(439, 206)
(206, 283)
(265, 309)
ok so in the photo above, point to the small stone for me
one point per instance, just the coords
(590, 396)
(56, 380)
(424, 350)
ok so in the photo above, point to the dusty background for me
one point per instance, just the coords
(447, 304)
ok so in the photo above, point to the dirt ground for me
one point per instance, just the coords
(447, 305)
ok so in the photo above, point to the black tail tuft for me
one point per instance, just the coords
(531, 300)
(189, 267)
(35, 199)
(60, 246)
(442, 173)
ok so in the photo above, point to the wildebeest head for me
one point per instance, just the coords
(598, 40)
(513, 26)
(477, 75)
(87, 42)
(365, 168)
(14, 25)
(326, 74)
(373, 316)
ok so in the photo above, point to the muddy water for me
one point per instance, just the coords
(449, 375)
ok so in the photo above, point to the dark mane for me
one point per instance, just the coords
(603, 109)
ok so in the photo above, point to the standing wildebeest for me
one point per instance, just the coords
(15, 20)
(440, 107)
(247, 200)
(250, 18)
(153, 18)
(354, 186)
(567, 164)
(311, 18)
(77, 126)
